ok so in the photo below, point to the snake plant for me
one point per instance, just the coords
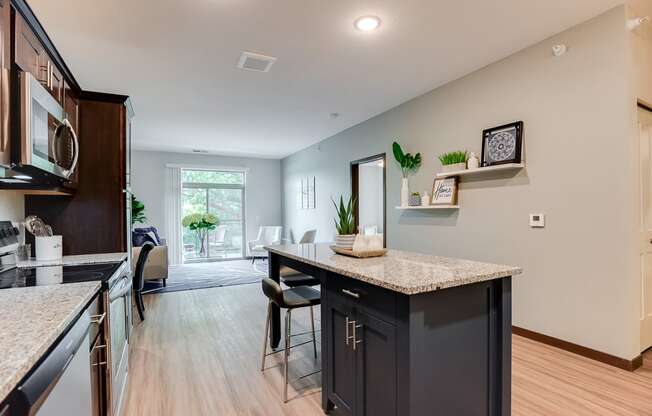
(345, 221)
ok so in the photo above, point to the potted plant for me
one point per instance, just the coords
(453, 161)
(137, 211)
(415, 199)
(344, 223)
(409, 164)
(201, 224)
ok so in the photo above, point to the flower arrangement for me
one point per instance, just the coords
(201, 224)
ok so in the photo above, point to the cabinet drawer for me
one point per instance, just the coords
(375, 300)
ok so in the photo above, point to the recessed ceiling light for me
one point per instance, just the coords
(367, 23)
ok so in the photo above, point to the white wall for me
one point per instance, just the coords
(12, 206)
(262, 196)
(579, 282)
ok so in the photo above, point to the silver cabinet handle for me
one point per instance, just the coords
(99, 364)
(98, 319)
(352, 337)
(346, 332)
(355, 341)
(350, 293)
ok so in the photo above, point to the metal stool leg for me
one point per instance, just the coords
(288, 319)
(266, 340)
(312, 322)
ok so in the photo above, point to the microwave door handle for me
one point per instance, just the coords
(76, 144)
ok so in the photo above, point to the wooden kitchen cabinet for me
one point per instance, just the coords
(30, 56)
(28, 51)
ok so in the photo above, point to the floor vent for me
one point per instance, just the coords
(255, 62)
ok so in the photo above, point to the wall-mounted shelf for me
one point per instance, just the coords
(431, 207)
(479, 171)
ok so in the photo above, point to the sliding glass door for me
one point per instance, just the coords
(222, 194)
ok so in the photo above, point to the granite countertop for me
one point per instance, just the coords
(76, 260)
(400, 271)
(32, 319)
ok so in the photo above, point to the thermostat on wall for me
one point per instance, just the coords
(537, 220)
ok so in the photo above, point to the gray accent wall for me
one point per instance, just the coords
(580, 280)
(262, 197)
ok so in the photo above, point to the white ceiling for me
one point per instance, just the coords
(177, 60)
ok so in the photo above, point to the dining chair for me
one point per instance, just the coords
(139, 278)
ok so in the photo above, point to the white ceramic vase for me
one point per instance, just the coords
(345, 241)
(405, 192)
(49, 248)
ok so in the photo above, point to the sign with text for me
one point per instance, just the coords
(444, 191)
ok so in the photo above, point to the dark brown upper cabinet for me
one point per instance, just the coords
(30, 56)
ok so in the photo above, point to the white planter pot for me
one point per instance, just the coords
(453, 167)
(345, 241)
(405, 192)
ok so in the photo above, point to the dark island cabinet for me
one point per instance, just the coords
(361, 357)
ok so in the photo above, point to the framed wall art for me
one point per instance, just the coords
(502, 144)
(444, 191)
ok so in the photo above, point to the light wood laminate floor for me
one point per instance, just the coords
(198, 353)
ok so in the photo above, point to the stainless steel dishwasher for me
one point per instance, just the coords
(61, 383)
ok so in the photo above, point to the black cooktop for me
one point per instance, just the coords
(54, 275)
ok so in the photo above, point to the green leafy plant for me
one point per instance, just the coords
(409, 163)
(345, 221)
(201, 224)
(137, 211)
(451, 158)
(416, 194)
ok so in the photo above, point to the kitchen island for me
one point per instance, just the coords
(407, 333)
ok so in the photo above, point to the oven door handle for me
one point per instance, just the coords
(123, 290)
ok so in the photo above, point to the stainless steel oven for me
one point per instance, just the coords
(48, 143)
(117, 301)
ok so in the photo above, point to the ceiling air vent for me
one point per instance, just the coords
(255, 62)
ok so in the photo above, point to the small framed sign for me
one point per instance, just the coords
(444, 191)
(502, 144)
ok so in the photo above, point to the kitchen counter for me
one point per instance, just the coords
(32, 320)
(407, 333)
(76, 260)
(399, 271)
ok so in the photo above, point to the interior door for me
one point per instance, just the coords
(645, 245)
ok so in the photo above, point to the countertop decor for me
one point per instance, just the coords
(32, 320)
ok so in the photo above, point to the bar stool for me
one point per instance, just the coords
(290, 299)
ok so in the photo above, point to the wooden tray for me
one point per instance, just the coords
(359, 254)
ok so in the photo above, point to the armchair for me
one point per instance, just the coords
(267, 236)
(156, 267)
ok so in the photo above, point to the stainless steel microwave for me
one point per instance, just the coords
(48, 142)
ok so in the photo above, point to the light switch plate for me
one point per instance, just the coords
(537, 220)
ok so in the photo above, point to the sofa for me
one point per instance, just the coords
(156, 267)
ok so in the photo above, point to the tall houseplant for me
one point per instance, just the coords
(409, 164)
(201, 224)
(137, 211)
(344, 223)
